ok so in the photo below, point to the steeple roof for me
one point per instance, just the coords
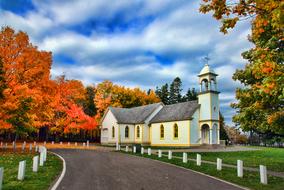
(207, 70)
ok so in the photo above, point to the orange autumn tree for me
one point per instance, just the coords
(29, 100)
(25, 70)
(69, 116)
(108, 94)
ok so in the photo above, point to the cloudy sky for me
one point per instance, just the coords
(141, 43)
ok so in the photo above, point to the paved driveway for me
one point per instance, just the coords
(104, 170)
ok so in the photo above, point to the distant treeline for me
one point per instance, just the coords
(171, 94)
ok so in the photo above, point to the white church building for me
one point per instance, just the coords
(184, 124)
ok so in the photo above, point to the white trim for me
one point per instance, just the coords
(54, 187)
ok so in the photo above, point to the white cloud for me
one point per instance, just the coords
(176, 32)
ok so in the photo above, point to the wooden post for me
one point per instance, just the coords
(1, 177)
(198, 159)
(240, 168)
(160, 153)
(23, 147)
(31, 147)
(219, 164)
(170, 155)
(263, 174)
(184, 157)
(21, 171)
(35, 164)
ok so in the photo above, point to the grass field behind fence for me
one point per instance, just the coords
(33, 181)
(250, 179)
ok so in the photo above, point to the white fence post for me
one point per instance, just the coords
(198, 159)
(263, 174)
(21, 171)
(149, 152)
(126, 149)
(160, 153)
(1, 177)
(240, 168)
(134, 149)
(35, 164)
(41, 159)
(219, 164)
(184, 157)
(142, 150)
(44, 154)
(170, 155)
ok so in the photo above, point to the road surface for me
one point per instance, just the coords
(105, 170)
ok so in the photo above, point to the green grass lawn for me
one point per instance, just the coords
(250, 179)
(272, 158)
(33, 181)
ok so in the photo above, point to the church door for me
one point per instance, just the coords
(205, 134)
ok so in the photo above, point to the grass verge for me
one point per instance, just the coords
(33, 181)
(250, 180)
(272, 158)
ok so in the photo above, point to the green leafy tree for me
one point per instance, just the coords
(89, 105)
(223, 132)
(260, 103)
(175, 91)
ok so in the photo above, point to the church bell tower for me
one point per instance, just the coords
(208, 98)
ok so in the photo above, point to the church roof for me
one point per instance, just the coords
(207, 69)
(134, 115)
(176, 112)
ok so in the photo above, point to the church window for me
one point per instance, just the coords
(113, 133)
(162, 132)
(175, 130)
(138, 132)
(126, 132)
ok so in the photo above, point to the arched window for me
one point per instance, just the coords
(113, 133)
(138, 132)
(162, 131)
(126, 132)
(175, 130)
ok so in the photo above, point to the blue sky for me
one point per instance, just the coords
(141, 43)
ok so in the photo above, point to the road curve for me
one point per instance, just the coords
(104, 170)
